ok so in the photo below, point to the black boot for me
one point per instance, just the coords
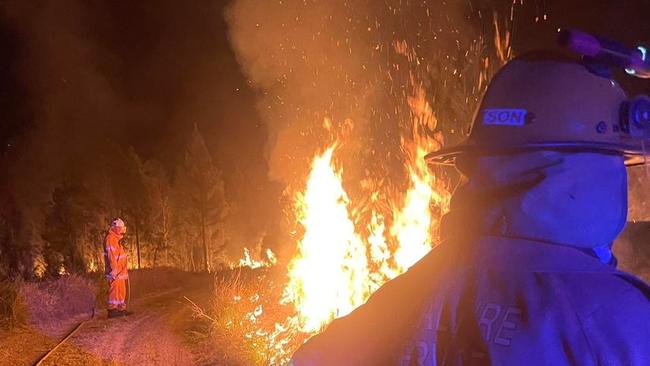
(114, 313)
(126, 312)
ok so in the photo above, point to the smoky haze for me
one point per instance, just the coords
(91, 79)
(317, 60)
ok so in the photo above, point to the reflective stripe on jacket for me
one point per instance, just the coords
(115, 257)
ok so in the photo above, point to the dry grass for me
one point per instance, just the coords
(224, 323)
(12, 310)
(50, 302)
(45, 304)
(155, 280)
(242, 318)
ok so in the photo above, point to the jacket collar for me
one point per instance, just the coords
(514, 254)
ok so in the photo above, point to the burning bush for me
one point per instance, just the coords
(233, 292)
(262, 317)
(245, 320)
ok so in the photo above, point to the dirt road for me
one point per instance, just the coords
(160, 332)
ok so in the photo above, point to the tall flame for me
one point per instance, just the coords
(335, 270)
(413, 223)
(328, 277)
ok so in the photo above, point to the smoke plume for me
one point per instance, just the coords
(323, 65)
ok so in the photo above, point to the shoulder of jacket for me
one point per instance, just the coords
(617, 330)
(111, 241)
(594, 293)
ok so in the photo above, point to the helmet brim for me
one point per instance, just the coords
(633, 155)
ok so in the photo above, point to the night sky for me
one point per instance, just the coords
(173, 66)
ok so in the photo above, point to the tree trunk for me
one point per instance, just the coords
(204, 242)
(137, 241)
(155, 256)
(166, 255)
(190, 252)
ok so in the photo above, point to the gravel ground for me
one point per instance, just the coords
(158, 333)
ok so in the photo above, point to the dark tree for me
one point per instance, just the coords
(67, 229)
(201, 202)
(161, 217)
(133, 198)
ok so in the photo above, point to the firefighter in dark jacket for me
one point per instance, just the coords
(525, 274)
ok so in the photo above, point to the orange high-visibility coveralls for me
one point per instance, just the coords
(115, 260)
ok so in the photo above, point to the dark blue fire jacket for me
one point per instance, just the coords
(495, 301)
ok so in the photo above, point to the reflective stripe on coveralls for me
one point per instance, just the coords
(117, 294)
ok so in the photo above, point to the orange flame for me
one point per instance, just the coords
(413, 223)
(335, 269)
(248, 261)
(328, 276)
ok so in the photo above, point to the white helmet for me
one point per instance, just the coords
(117, 222)
(546, 101)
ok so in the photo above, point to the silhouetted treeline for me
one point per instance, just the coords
(174, 218)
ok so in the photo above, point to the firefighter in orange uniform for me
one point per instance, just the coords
(115, 260)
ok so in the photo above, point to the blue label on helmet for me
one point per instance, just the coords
(504, 117)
